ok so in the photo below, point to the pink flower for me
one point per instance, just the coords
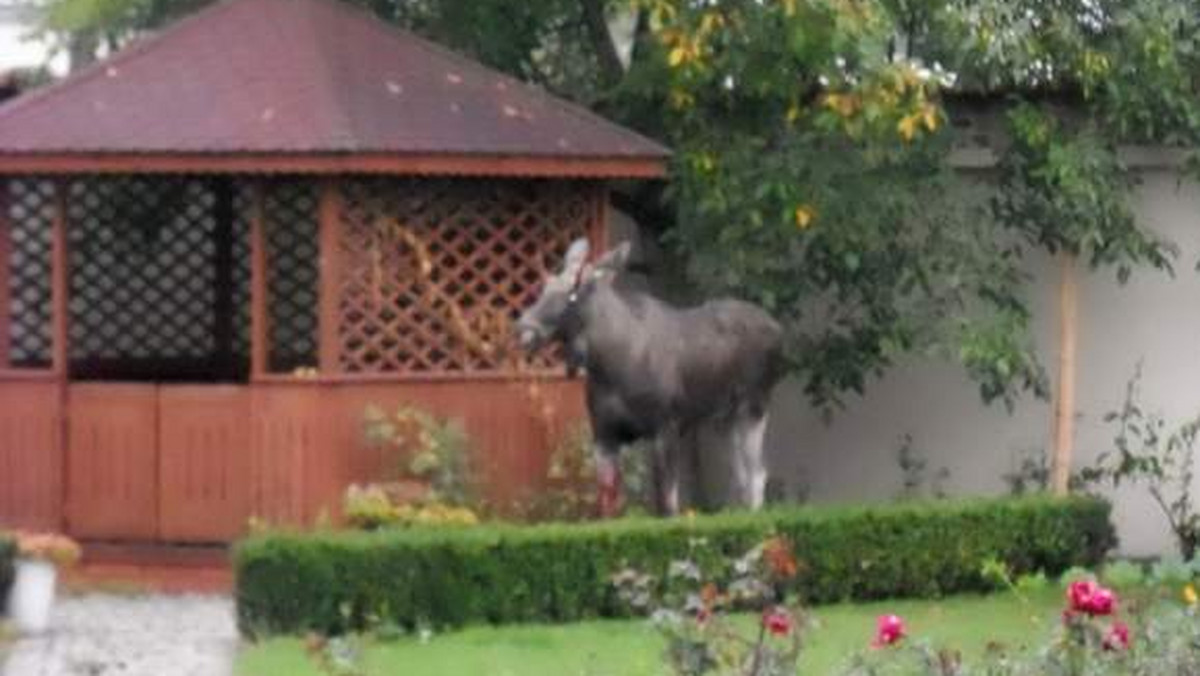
(703, 615)
(1085, 596)
(889, 629)
(1117, 637)
(778, 622)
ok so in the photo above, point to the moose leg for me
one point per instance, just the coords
(608, 479)
(756, 466)
(749, 468)
(666, 472)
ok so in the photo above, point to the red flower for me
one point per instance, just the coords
(1117, 637)
(1088, 597)
(889, 629)
(1102, 602)
(778, 622)
(1079, 595)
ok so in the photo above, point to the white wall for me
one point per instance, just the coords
(1153, 318)
(18, 49)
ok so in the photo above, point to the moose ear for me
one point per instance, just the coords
(576, 256)
(616, 258)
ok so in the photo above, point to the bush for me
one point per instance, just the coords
(8, 553)
(332, 582)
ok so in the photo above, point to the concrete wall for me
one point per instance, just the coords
(1153, 318)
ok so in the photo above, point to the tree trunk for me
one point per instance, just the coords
(81, 49)
(611, 69)
(1064, 400)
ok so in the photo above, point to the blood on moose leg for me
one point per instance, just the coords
(608, 480)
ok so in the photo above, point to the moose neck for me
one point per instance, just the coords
(607, 323)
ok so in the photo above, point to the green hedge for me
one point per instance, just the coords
(289, 582)
(8, 553)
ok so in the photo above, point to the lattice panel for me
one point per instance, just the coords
(290, 222)
(30, 214)
(241, 271)
(434, 271)
(155, 277)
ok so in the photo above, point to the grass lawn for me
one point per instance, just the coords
(631, 648)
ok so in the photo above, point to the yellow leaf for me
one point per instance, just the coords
(804, 215)
(908, 126)
(1189, 595)
(793, 113)
(843, 104)
(677, 56)
(710, 22)
(930, 117)
(789, 7)
(681, 99)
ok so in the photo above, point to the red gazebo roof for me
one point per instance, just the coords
(311, 86)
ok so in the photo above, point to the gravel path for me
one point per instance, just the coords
(106, 635)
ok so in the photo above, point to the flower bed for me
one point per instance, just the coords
(332, 582)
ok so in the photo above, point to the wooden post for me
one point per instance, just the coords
(260, 349)
(1064, 400)
(223, 307)
(5, 277)
(59, 280)
(329, 213)
(598, 228)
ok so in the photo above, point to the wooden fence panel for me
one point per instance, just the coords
(204, 468)
(513, 425)
(288, 434)
(30, 455)
(112, 461)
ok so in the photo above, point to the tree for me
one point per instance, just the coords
(813, 140)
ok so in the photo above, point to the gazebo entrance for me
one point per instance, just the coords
(155, 405)
(158, 275)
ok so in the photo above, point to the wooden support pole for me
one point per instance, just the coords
(598, 228)
(1064, 400)
(5, 276)
(329, 213)
(260, 348)
(59, 280)
(223, 308)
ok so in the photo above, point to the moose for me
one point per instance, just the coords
(694, 382)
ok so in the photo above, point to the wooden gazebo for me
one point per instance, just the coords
(220, 245)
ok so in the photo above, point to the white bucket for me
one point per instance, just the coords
(32, 595)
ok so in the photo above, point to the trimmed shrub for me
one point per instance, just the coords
(332, 582)
(8, 554)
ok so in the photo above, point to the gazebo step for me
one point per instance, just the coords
(151, 567)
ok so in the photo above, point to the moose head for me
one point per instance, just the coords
(555, 313)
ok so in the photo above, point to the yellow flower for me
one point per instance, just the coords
(1189, 595)
(804, 216)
